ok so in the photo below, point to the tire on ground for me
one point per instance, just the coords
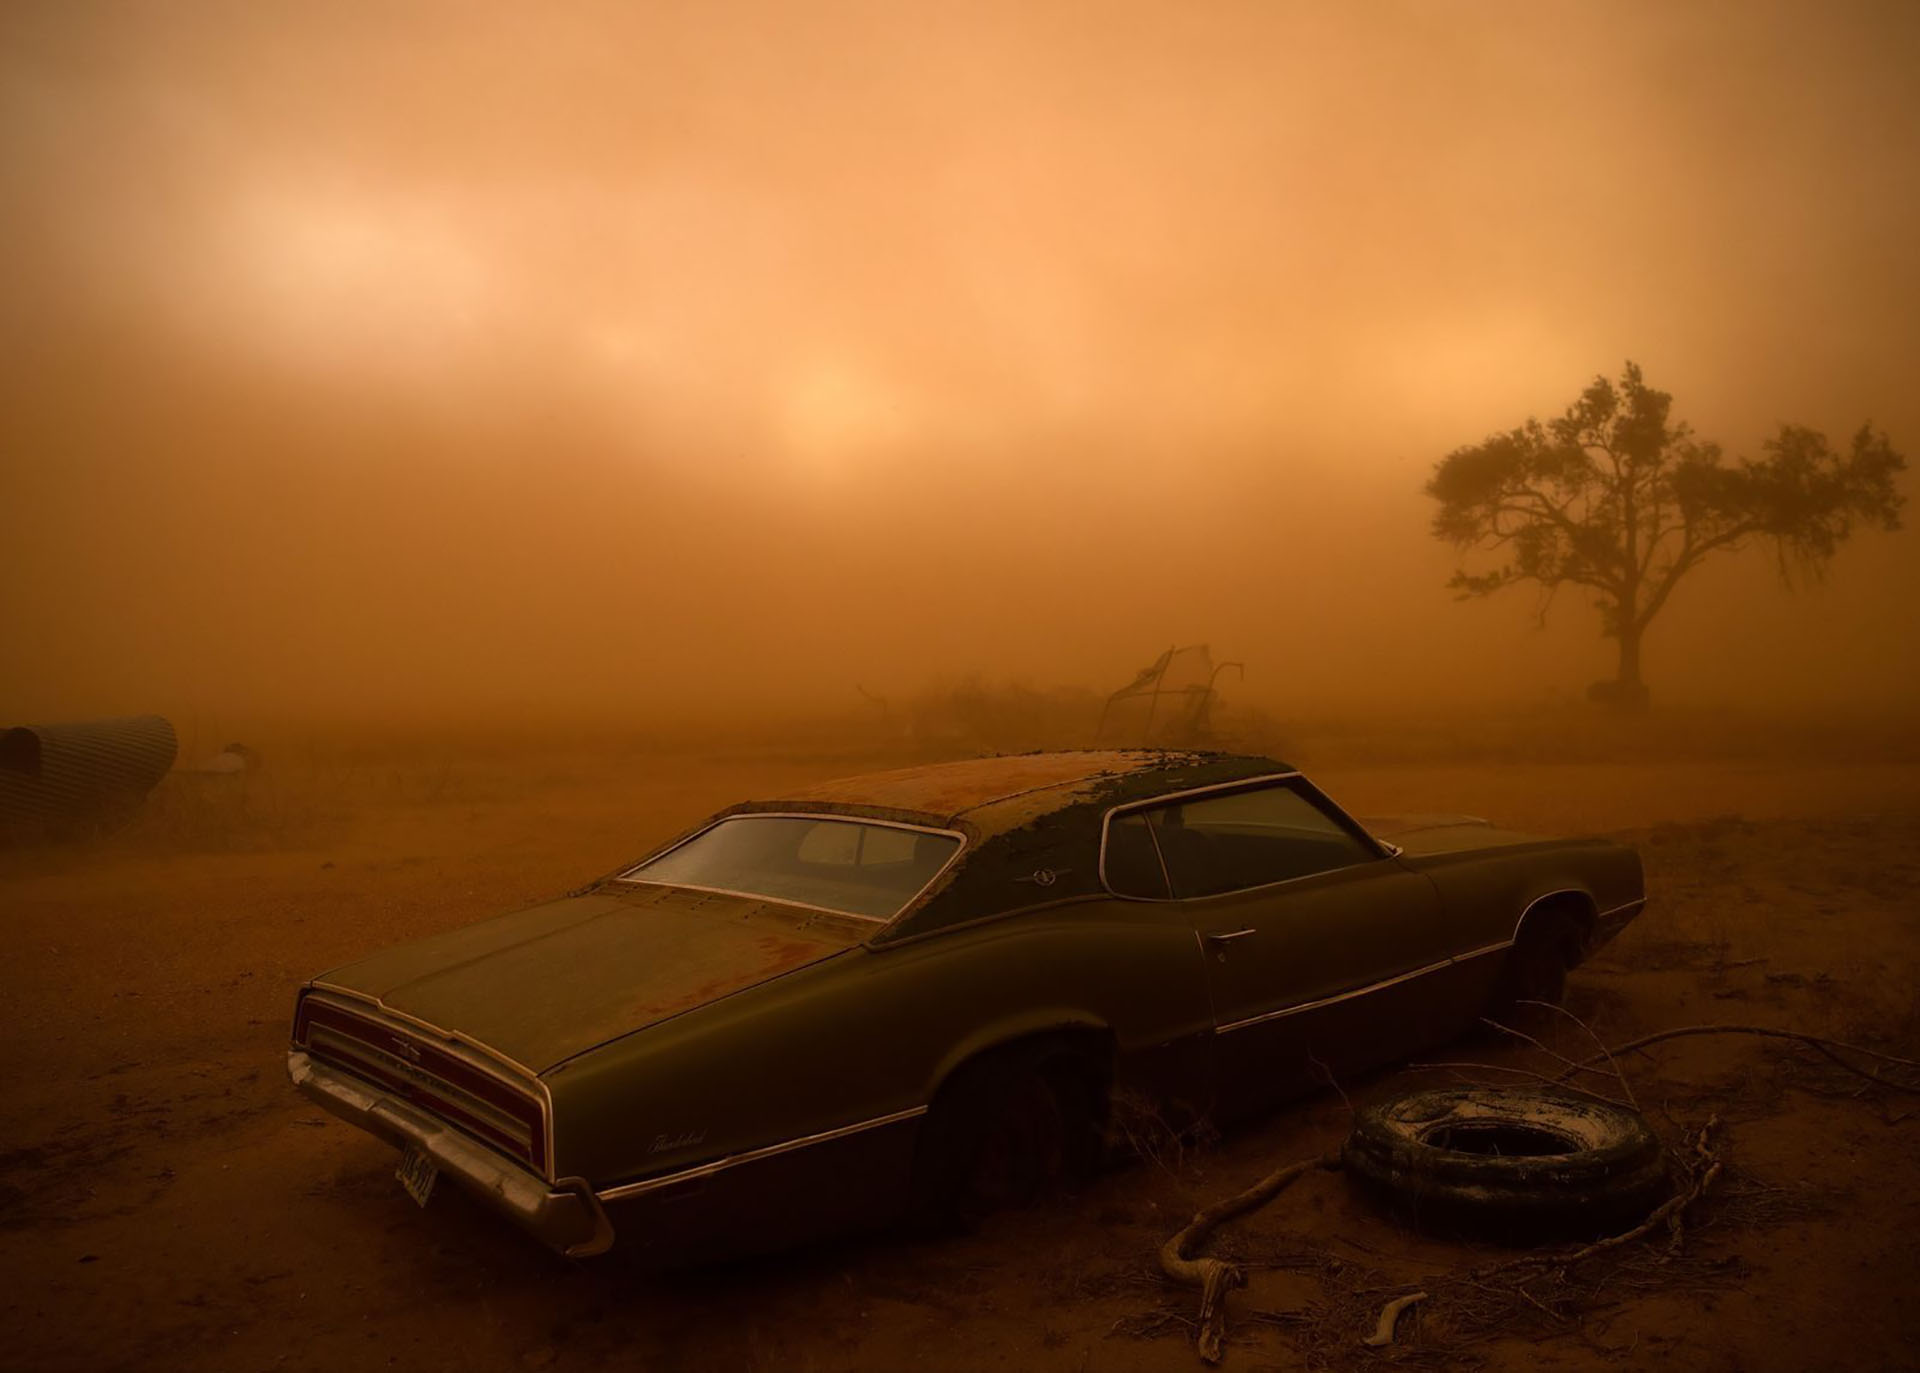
(1508, 1164)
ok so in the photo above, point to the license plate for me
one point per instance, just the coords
(417, 1173)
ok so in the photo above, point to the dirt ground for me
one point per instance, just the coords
(167, 1201)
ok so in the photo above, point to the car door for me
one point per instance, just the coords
(1319, 945)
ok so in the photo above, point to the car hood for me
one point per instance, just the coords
(544, 984)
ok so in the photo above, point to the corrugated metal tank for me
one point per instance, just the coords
(67, 780)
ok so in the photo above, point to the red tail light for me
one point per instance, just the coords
(409, 1065)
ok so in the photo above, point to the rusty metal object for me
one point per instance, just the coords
(72, 780)
(1187, 680)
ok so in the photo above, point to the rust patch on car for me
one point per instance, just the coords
(783, 954)
(687, 999)
(776, 955)
(948, 789)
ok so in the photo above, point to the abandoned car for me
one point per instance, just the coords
(924, 990)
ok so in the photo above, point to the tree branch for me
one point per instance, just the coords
(1689, 557)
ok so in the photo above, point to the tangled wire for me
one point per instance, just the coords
(1697, 1167)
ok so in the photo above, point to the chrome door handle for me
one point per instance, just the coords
(1228, 936)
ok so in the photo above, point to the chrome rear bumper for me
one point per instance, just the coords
(564, 1216)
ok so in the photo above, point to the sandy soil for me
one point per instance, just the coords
(168, 1201)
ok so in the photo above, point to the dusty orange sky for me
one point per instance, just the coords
(515, 358)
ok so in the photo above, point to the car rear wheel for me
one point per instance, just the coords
(1004, 1132)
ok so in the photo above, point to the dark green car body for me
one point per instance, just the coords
(699, 1070)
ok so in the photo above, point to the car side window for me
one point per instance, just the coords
(1132, 863)
(1214, 844)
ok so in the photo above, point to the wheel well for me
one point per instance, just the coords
(1089, 1052)
(951, 1128)
(1575, 906)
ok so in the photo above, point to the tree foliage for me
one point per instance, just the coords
(1616, 497)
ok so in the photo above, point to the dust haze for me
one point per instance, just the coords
(529, 428)
(507, 361)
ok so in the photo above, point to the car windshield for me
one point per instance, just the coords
(851, 867)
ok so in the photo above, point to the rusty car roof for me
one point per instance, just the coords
(1033, 820)
(947, 791)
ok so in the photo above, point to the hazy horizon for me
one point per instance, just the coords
(520, 363)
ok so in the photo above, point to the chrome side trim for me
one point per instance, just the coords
(1600, 917)
(1623, 907)
(1238, 784)
(626, 874)
(1499, 946)
(1548, 896)
(719, 1165)
(1332, 1000)
(475, 1053)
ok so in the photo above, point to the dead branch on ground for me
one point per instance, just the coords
(1698, 1169)
(1586, 1029)
(1700, 1173)
(1572, 1066)
(1382, 1335)
(1524, 1072)
(1216, 1277)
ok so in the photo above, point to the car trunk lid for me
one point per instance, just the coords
(541, 985)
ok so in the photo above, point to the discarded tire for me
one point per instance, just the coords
(1514, 1165)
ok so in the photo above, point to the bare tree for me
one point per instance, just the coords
(1614, 497)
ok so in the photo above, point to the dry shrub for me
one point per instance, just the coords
(1139, 1125)
(977, 716)
(242, 812)
(974, 715)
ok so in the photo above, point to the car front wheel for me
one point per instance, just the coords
(1536, 967)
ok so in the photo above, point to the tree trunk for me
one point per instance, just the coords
(1628, 677)
(1630, 693)
(1626, 691)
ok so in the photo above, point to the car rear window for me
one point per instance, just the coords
(852, 867)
